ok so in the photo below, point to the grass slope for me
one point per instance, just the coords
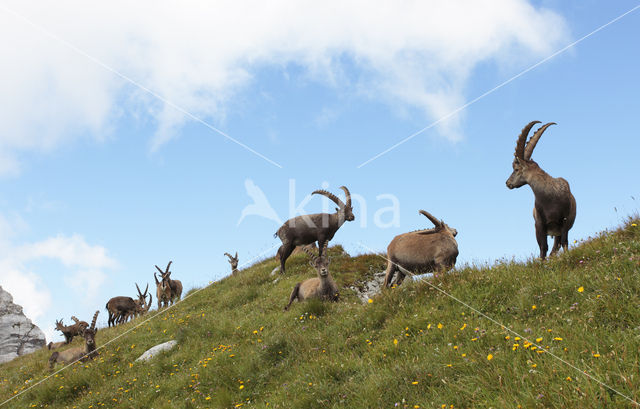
(411, 347)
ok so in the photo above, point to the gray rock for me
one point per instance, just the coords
(18, 335)
(150, 353)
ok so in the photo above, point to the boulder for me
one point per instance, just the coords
(18, 335)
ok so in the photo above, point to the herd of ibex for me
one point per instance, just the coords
(419, 251)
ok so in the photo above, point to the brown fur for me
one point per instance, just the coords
(554, 210)
(121, 308)
(70, 331)
(78, 353)
(421, 251)
(320, 227)
(168, 290)
(55, 345)
(322, 286)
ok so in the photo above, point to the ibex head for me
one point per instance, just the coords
(439, 224)
(164, 274)
(142, 298)
(59, 324)
(321, 264)
(522, 163)
(345, 209)
(233, 260)
(89, 333)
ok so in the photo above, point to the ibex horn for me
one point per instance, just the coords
(330, 195)
(522, 139)
(528, 150)
(436, 222)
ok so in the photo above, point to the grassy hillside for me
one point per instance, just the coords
(410, 347)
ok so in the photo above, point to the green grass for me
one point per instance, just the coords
(412, 346)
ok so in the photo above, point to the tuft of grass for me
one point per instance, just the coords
(413, 346)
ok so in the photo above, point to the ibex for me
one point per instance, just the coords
(422, 251)
(78, 353)
(320, 227)
(167, 290)
(322, 287)
(55, 345)
(234, 262)
(70, 331)
(121, 308)
(554, 210)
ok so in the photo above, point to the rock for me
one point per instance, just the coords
(18, 335)
(369, 289)
(150, 353)
(275, 270)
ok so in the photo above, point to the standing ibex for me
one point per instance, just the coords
(70, 331)
(121, 308)
(422, 251)
(322, 287)
(73, 354)
(234, 262)
(320, 227)
(168, 290)
(555, 207)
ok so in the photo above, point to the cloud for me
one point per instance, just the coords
(198, 55)
(84, 267)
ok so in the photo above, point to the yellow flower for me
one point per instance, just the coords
(207, 398)
(596, 355)
(241, 387)
(633, 224)
(539, 339)
(395, 341)
(533, 307)
(489, 357)
(580, 289)
(440, 325)
(557, 339)
(414, 383)
(568, 378)
(370, 301)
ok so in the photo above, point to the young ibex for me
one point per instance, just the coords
(234, 262)
(422, 251)
(555, 207)
(168, 290)
(322, 287)
(121, 308)
(320, 227)
(70, 331)
(78, 353)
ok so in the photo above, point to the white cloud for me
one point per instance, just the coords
(84, 267)
(198, 54)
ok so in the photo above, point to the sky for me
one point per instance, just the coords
(136, 134)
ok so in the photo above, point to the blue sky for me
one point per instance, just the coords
(100, 180)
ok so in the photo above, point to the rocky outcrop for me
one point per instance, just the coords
(18, 335)
(149, 353)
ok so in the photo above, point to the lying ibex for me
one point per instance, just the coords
(234, 262)
(422, 251)
(320, 227)
(70, 331)
(168, 290)
(555, 207)
(78, 353)
(322, 287)
(121, 308)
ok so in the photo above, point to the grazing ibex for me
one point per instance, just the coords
(234, 262)
(555, 207)
(320, 227)
(78, 353)
(422, 251)
(70, 331)
(121, 308)
(168, 290)
(322, 287)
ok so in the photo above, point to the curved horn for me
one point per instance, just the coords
(93, 322)
(347, 195)
(228, 255)
(528, 150)
(139, 292)
(156, 278)
(145, 290)
(310, 253)
(522, 139)
(149, 304)
(236, 256)
(429, 216)
(159, 269)
(168, 265)
(331, 196)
